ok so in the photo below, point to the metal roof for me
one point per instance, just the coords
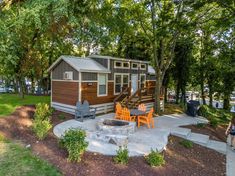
(81, 64)
(116, 58)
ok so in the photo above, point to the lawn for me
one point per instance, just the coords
(16, 160)
(9, 102)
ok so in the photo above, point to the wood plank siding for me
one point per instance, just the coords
(58, 71)
(89, 93)
(65, 92)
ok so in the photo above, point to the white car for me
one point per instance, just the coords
(2, 89)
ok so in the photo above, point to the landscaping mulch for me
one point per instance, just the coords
(217, 133)
(198, 160)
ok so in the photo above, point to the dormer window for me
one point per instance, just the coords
(120, 64)
(134, 66)
(143, 66)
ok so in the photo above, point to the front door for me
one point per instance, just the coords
(134, 83)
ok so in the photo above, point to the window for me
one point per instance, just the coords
(134, 66)
(102, 84)
(119, 64)
(68, 75)
(121, 81)
(126, 65)
(143, 66)
(142, 81)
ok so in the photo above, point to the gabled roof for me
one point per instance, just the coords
(81, 64)
(151, 70)
(117, 58)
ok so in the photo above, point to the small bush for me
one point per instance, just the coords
(186, 143)
(41, 128)
(2, 138)
(200, 125)
(214, 123)
(74, 142)
(122, 156)
(43, 111)
(61, 117)
(42, 123)
(155, 159)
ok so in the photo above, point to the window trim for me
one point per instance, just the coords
(68, 72)
(114, 82)
(122, 64)
(140, 79)
(144, 67)
(98, 85)
(133, 67)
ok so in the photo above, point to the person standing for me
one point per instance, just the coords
(231, 130)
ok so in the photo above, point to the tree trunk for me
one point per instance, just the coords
(202, 92)
(177, 93)
(157, 93)
(226, 101)
(21, 84)
(165, 94)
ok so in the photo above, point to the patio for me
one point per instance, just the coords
(141, 141)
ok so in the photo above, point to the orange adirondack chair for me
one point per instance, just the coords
(118, 112)
(142, 107)
(147, 119)
(126, 115)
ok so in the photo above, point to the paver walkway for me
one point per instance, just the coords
(139, 143)
(144, 139)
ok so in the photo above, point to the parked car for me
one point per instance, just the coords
(3, 89)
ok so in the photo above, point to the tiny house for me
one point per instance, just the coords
(102, 81)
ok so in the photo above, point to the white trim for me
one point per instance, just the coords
(101, 108)
(116, 58)
(136, 67)
(93, 71)
(110, 80)
(61, 80)
(114, 83)
(106, 77)
(80, 86)
(109, 64)
(90, 81)
(122, 64)
(143, 68)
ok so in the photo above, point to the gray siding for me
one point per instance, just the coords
(101, 61)
(89, 76)
(58, 71)
(120, 70)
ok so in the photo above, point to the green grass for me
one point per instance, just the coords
(186, 143)
(16, 160)
(9, 102)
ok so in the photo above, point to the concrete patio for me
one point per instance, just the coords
(143, 140)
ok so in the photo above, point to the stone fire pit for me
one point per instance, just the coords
(113, 126)
(114, 131)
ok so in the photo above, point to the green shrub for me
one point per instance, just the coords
(42, 123)
(41, 128)
(214, 123)
(122, 156)
(74, 142)
(61, 117)
(186, 143)
(200, 125)
(42, 112)
(155, 159)
(2, 138)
